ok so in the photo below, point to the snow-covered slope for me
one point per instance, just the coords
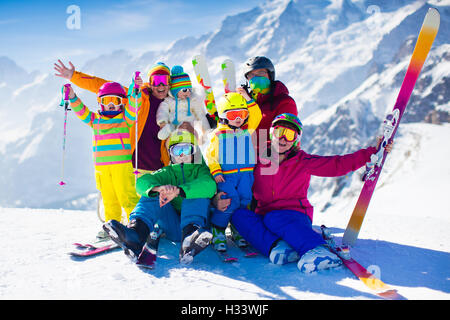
(404, 239)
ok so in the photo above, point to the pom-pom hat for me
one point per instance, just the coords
(179, 80)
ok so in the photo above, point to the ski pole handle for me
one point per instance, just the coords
(67, 86)
(136, 75)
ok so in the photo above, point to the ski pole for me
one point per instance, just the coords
(136, 92)
(64, 103)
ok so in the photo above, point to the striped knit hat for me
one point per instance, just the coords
(158, 68)
(179, 80)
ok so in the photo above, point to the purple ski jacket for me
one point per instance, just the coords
(285, 186)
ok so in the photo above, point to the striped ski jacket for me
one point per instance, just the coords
(111, 139)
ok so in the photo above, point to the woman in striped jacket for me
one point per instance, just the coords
(111, 146)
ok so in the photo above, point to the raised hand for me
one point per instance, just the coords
(63, 71)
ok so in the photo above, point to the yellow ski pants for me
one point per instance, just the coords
(116, 182)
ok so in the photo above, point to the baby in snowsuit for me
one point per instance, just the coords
(111, 146)
(231, 157)
(185, 106)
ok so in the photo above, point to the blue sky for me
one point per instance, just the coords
(34, 33)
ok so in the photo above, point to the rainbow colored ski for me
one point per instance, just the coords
(228, 75)
(424, 42)
(377, 286)
(202, 73)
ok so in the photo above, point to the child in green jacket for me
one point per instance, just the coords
(174, 200)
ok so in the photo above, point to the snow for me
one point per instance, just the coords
(404, 240)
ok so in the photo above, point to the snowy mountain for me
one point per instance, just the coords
(404, 240)
(343, 62)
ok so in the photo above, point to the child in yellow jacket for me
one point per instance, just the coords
(231, 156)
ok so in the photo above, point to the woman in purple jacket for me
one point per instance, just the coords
(281, 224)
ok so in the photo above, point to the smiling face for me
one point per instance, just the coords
(281, 145)
(279, 141)
(113, 107)
(238, 122)
(160, 91)
(181, 159)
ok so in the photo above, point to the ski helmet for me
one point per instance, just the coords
(230, 101)
(112, 89)
(181, 136)
(291, 119)
(260, 62)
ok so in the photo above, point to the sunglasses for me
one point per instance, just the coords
(158, 79)
(115, 100)
(287, 133)
(234, 114)
(180, 149)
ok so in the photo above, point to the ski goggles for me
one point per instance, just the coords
(115, 100)
(158, 79)
(286, 133)
(234, 114)
(180, 149)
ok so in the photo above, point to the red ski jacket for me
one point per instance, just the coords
(273, 104)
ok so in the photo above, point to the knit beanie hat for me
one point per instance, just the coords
(159, 68)
(179, 80)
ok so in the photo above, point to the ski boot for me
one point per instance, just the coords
(237, 238)
(219, 239)
(194, 240)
(147, 257)
(283, 253)
(130, 238)
(319, 258)
(102, 236)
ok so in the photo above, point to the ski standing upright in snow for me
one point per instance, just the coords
(228, 75)
(423, 45)
(203, 78)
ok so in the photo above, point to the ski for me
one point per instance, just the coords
(376, 285)
(202, 74)
(90, 250)
(228, 75)
(423, 45)
(224, 256)
(248, 250)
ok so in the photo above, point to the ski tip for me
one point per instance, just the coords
(432, 18)
(231, 259)
(391, 295)
(251, 254)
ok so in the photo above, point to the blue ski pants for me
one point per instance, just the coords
(262, 231)
(238, 188)
(170, 221)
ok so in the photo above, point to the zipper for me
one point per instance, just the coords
(182, 172)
